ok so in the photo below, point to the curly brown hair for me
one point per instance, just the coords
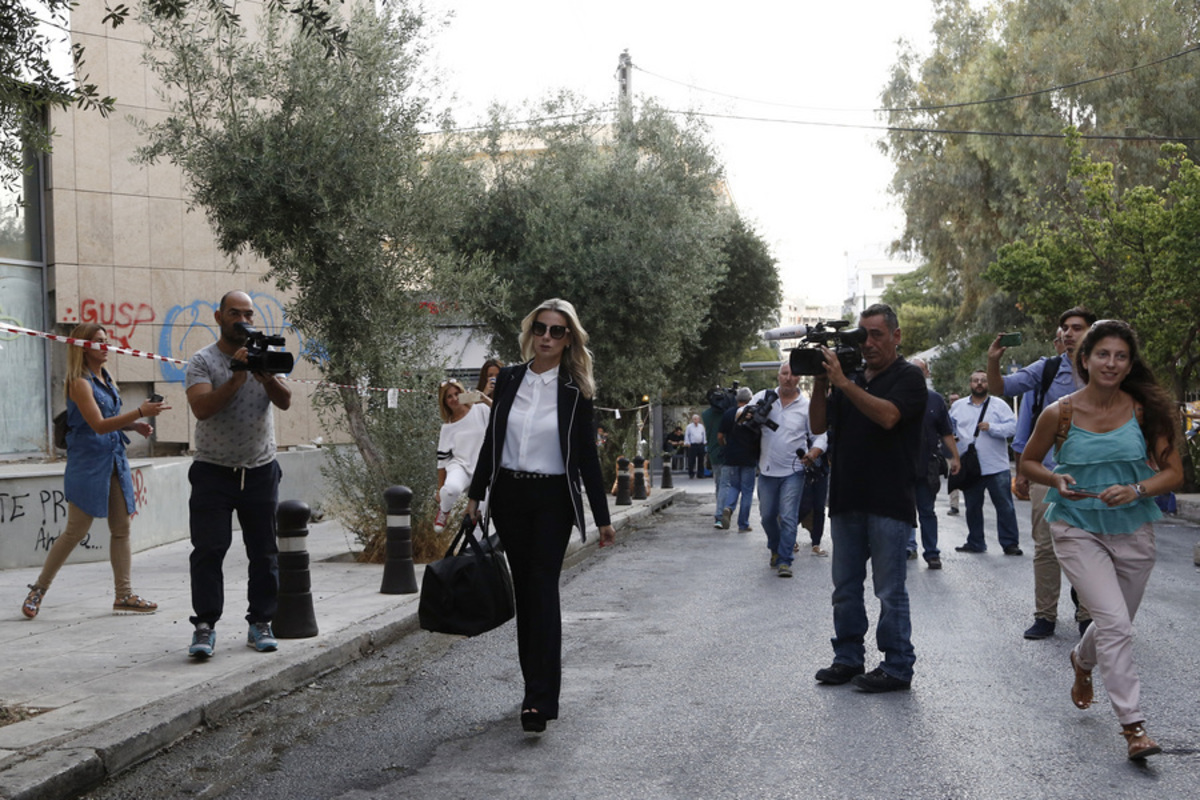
(1160, 416)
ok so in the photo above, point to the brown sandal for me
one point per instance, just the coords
(33, 601)
(1140, 743)
(1081, 689)
(132, 604)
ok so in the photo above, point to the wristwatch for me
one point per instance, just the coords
(1139, 489)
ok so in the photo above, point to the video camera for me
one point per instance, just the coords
(258, 357)
(807, 358)
(723, 399)
(754, 418)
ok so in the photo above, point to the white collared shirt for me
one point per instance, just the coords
(531, 443)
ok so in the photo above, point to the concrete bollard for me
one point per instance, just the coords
(639, 478)
(294, 618)
(623, 488)
(399, 576)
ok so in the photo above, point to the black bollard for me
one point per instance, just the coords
(398, 574)
(667, 483)
(639, 478)
(623, 488)
(294, 618)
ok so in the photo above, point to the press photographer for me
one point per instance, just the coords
(784, 453)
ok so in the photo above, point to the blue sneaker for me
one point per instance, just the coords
(261, 638)
(203, 641)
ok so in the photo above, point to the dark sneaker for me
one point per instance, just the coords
(836, 674)
(962, 548)
(203, 641)
(953, 511)
(785, 570)
(1040, 629)
(912, 555)
(877, 681)
(1013, 551)
(935, 563)
(774, 560)
(726, 518)
(260, 637)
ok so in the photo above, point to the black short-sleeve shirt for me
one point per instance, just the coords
(874, 470)
(741, 446)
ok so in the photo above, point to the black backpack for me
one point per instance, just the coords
(1050, 368)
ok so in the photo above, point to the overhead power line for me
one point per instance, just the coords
(987, 101)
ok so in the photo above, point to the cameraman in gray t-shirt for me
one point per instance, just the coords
(234, 471)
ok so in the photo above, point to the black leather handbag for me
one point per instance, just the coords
(469, 591)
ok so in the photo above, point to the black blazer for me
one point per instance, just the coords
(576, 436)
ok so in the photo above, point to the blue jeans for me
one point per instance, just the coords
(720, 481)
(779, 507)
(998, 486)
(928, 520)
(857, 538)
(739, 482)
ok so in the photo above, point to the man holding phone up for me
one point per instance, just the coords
(1048, 379)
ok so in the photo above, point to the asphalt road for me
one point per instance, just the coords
(688, 674)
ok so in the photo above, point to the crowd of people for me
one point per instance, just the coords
(1096, 440)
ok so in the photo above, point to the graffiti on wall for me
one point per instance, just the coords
(188, 328)
(120, 319)
(41, 514)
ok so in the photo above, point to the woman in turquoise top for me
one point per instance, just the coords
(97, 481)
(1121, 448)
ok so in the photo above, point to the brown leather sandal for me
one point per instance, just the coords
(1140, 743)
(1081, 689)
(132, 604)
(33, 601)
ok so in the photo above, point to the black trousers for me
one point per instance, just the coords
(695, 460)
(534, 518)
(217, 493)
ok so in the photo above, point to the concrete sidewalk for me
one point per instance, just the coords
(109, 691)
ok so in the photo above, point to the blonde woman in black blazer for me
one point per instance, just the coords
(539, 446)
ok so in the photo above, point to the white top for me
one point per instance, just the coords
(778, 457)
(695, 434)
(460, 442)
(992, 444)
(532, 442)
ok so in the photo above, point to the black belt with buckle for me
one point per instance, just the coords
(526, 476)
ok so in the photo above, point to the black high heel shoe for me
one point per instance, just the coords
(533, 721)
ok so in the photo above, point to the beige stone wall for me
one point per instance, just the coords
(124, 249)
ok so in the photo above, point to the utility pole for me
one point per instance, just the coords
(625, 90)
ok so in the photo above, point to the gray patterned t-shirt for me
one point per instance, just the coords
(242, 434)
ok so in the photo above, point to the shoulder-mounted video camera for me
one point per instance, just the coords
(807, 358)
(758, 416)
(723, 399)
(258, 357)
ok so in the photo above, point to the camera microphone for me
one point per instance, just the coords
(787, 332)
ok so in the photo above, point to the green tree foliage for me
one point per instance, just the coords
(1129, 255)
(629, 226)
(925, 308)
(964, 196)
(316, 166)
(745, 303)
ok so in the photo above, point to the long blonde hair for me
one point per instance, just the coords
(576, 357)
(444, 390)
(76, 366)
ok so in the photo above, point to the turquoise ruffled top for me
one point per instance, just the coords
(1097, 461)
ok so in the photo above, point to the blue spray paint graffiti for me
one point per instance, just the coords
(188, 328)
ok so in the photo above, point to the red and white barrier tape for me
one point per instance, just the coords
(155, 357)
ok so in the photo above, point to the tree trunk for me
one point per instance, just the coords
(357, 422)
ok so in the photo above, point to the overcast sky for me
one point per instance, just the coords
(813, 193)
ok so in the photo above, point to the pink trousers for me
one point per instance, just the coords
(1110, 572)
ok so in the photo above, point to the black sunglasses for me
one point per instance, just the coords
(556, 331)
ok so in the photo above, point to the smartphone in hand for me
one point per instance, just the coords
(469, 397)
(1010, 339)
